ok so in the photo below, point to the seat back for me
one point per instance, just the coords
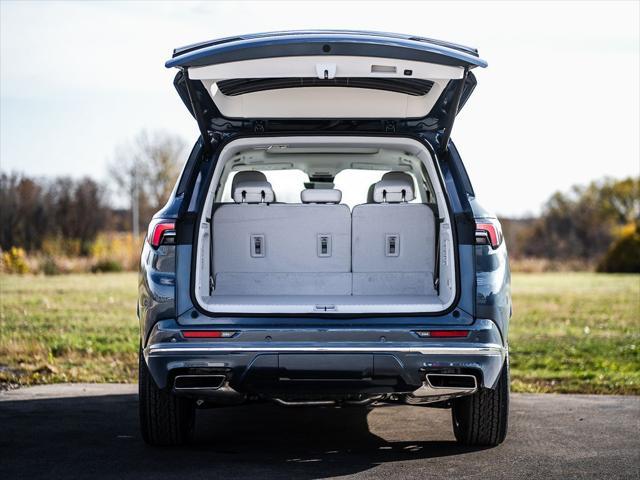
(393, 241)
(281, 249)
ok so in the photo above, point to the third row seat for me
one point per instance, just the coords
(319, 247)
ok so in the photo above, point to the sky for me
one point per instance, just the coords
(558, 105)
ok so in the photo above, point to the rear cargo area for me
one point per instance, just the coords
(390, 254)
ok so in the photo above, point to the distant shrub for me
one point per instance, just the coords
(105, 266)
(59, 246)
(542, 265)
(110, 252)
(49, 266)
(118, 246)
(15, 261)
(624, 254)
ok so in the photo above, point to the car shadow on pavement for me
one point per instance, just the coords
(98, 437)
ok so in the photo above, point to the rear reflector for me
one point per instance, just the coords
(443, 333)
(207, 334)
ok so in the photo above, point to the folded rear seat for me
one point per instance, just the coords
(393, 250)
(263, 248)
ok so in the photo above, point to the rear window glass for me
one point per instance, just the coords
(354, 185)
(286, 184)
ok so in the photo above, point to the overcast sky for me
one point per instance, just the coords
(559, 103)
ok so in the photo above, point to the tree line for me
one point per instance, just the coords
(141, 176)
(589, 223)
(35, 209)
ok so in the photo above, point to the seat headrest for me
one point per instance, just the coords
(247, 176)
(394, 187)
(253, 192)
(320, 195)
(400, 176)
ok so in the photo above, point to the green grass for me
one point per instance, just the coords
(68, 328)
(576, 332)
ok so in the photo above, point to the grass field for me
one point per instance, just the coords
(576, 332)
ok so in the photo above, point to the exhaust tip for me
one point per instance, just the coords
(452, 381)
(198, 382)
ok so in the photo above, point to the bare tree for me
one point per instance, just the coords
(23, 217)
(145, 170)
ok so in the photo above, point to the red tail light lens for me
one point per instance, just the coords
(207, 334)
(161, 232)
(442, 333)
(488, 232)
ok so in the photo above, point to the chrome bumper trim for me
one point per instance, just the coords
(488, 350)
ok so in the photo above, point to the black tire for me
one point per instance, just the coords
(481, 419)
(165, 419)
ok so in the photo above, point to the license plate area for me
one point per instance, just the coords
(325, 366)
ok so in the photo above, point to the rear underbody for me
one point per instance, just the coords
(319, 364)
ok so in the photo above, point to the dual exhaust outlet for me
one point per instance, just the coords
(443, 386)
(185, 383)
(452, 381)
(434, 384)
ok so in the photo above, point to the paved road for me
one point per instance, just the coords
(91, 431)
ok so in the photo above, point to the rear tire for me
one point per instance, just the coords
(481, 419)
(165, 419)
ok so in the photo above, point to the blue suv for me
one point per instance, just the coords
(323, 244)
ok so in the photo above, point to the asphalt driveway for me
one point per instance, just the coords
(91, 431)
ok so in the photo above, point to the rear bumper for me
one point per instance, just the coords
(321, 361)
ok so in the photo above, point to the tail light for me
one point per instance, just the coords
(208, 333)
(161, 232)
(442, 333)
(488, 232)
